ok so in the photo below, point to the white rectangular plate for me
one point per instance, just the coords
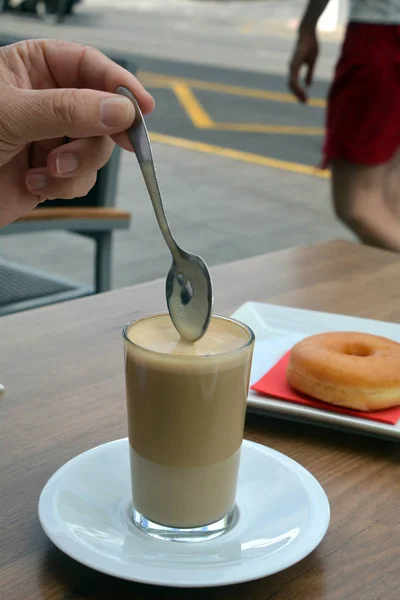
(277, 329)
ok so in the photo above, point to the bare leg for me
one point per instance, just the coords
(392, 189)
(360, 202)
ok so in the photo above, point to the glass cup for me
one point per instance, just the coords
(186, 410)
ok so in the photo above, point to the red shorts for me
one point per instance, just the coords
(363, 115)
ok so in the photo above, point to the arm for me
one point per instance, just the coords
(306, 49)
(312, 14)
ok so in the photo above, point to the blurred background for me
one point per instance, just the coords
(237, 156)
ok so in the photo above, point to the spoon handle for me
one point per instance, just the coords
(140, 141)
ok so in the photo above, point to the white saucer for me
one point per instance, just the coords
(283, 514)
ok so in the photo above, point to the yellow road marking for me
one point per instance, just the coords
(265, 128)
(181, 87)
(150, 78)
(161, 85)
(202, 120)
(246, 157)
(189, 102)
(246, 28)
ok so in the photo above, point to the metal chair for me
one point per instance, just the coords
(93, 216)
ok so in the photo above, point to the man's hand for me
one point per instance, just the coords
(305, 54)
(59, 119)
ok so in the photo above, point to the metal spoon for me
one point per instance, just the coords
(188, 286)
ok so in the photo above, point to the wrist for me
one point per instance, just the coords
(307, 28)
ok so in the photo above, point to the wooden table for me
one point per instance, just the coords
(63, 370)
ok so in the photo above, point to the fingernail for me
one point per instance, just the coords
(36, 182)
(66, 163)
(117, 112)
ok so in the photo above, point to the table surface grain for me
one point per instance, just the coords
(63, 370)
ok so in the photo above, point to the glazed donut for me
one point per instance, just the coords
(355, 370)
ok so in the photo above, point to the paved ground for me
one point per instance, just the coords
(249, 35)
(245, 111)
(222, 205)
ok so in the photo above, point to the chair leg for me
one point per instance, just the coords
(103, 262)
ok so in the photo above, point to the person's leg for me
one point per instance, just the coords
(363, 132)
(392, 185)
(360, 201)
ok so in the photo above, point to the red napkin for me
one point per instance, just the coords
(275, 384)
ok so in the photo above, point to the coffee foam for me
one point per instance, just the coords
(158, 334)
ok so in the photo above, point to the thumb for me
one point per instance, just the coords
(76, 113)
(310, 73)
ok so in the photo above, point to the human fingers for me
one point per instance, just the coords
(294, 77)
(72, 65)
(310, 72)
(80, 157)
(32, 115)
(47, 187)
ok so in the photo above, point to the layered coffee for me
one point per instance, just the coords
(186, 410)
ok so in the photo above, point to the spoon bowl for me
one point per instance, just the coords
(188, 290)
